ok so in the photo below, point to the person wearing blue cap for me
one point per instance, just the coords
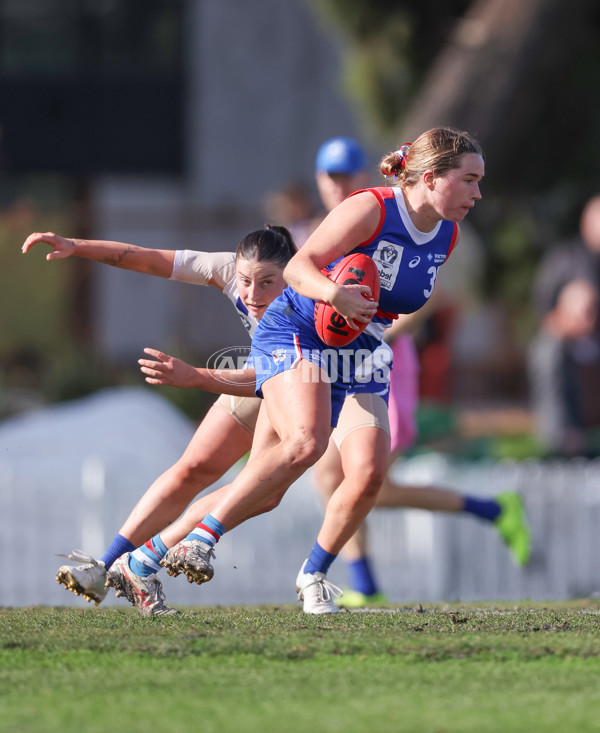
(341, 168)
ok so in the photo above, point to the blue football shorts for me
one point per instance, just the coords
(283, 337)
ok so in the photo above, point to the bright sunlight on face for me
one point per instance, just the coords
(259, 283)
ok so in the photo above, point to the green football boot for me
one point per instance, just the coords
(513, 527)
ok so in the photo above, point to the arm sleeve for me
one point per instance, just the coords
(204, 268)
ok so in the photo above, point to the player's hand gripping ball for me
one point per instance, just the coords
(332, 328)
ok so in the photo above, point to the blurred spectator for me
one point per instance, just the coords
(294, 208)
(564, 372)
(570, 260)
(340, 169)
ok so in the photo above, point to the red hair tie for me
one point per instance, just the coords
(403, 152)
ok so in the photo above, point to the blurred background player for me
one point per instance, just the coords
(562, 358)
(564, 373)
(573, 259)
(341, 167)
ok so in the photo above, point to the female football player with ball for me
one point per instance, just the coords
(409, 230)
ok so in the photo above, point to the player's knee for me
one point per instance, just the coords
(272, 503)
(371, 478)
(305, 450)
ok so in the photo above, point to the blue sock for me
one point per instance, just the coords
(209, 530)
(146, 559)
(319, 560)
(483, 508)
(361, 577)
(119, 546)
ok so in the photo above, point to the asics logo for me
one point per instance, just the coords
(414, 262)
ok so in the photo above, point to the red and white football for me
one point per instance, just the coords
(331, 326)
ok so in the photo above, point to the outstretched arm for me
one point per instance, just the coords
(168, 370)
(157, 262)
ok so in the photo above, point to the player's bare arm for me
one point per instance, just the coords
(164, 369)
(158, 262)
(342, 230)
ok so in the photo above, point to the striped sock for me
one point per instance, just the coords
(119, 546)
(209, 530)
(483, 508)
(319, 560)
(146, 559)
(362, 579)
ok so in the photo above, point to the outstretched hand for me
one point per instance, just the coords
(165, 369)
(61, 247)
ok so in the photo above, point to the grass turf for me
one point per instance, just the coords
(531, 667)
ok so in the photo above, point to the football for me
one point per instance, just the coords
(331, 326)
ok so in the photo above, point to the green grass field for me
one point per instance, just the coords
(443, 669)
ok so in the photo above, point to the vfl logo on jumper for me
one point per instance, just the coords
(337, 323)
(388, 257)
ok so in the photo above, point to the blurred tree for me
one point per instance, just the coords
(390, 48)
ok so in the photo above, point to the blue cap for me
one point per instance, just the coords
(341, 155)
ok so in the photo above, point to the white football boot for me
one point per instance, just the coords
(192, 558)
(317, 592)
(87, 579)
(145, 593)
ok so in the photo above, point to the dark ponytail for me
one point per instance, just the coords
(271, 244)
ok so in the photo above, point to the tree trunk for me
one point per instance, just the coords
(486, 77)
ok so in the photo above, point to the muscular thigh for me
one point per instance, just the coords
(363, 410)
(219, 441)
(243, 410)
(298, 401)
